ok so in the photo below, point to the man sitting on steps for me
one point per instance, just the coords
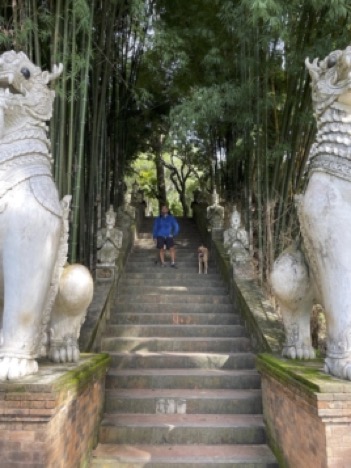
(165, 229)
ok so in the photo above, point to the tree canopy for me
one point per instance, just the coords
(221, 84)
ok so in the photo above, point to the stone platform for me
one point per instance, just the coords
(307, 413)
(51, 419)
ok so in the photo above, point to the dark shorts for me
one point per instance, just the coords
(165, 241)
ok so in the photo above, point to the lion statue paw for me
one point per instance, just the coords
(13, 367)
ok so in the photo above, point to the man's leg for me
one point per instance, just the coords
(170, 247)
(160, 245)
(162, 255)
(172, 253)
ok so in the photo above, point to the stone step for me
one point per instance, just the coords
(143, 252)
(175, 308)
(183, 456)
(173, 299)
(183, 241)
(183, 233)
(189, 401)
(183, 378)
(146, 262)
(175, 330)
(182, 373)
(180, 428)
(149, 250)
(171, 289)
(152, 256)
(186, 238)
(153, 261)
(191, 270)
(188, 269)
(170, 275)
(164, 360)
(176, 344)
(167, 318)
(194, 280)
(184, 226)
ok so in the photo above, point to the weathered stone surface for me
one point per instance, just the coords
(307, 413)
(182, 370)
(215, 214)
(320, 270)
(41, 313)
(51, 419)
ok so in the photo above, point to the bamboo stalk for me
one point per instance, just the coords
(37, 50)
(57, 104)
(72, 113)
(83, 107)
(62, 150)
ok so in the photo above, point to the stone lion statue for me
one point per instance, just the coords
(42, 302)
(320, 270)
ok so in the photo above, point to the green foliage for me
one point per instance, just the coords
(191, 79)
(236, 85)
(82, 11)
(142, 171)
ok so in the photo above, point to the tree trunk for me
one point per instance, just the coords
(160, 174)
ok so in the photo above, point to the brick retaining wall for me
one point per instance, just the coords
(51, 419)
(307, 413)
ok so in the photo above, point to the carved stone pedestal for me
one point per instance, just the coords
(51, 419)
(105, 272)
(217, 234)
(307, 413)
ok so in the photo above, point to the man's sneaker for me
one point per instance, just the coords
(163, 264)
(173, 265)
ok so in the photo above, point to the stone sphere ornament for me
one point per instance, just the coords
(33, 228)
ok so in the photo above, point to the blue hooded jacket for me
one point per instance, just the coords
(165, 226)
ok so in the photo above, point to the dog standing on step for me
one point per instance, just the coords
(202, 253)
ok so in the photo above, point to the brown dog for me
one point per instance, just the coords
(202, 253)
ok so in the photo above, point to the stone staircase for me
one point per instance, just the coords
(182, 390)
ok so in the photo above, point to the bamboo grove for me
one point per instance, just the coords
(224, 76)
(247, 96)
(100, 44)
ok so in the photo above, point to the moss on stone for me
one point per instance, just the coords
(262, 323)
(307, 375)
(92, 367)
(274, 446)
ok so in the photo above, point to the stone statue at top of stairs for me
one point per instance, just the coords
(109, 243)
(215, 213)
(236, 239)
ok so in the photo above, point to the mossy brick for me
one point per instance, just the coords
(299, 392)
(306, 375)
(73, 408)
